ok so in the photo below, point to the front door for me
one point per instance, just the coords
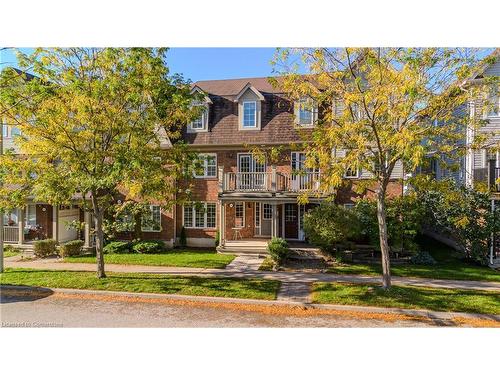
(267, 215)
(291, 221)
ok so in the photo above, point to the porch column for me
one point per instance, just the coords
(492, 246)
(20, 221)
(86, 229)
(273, 178)
(221, 179)
(55, 220)
(282, 220)
(274, 218)
(222, 224)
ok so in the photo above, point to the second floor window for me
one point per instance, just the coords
(201, 123)
(305, 112)
(207, 166)
(250, 114)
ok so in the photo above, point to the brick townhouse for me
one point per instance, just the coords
(237, 194)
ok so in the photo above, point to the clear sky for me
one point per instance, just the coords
(203, 63)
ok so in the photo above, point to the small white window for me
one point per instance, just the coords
(349, 206)
(151, 221)
(494, 103)
(249, 114)
(201, 123)
(239, 219)
(206, 166)
(201, 215)
(5, 131)
(267, 211)
(305, 112)
(351, 172)
(15, 131)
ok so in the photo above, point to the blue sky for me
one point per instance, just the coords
(203, 63)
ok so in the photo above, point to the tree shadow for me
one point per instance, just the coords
(23, 293)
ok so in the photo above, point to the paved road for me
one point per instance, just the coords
(66, 310)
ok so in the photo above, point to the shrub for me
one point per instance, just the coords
(8, 248)
(183, 238)
(329, 224)
(44, 248)
(423, 258)
(71, 248)
(217, 238)
(149, 247)
(278, 249)
(117, 247)
(404, 217)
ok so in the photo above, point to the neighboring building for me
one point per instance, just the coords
(235, 193)
(481, 164)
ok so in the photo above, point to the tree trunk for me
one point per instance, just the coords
(137, 227)
(384, 243)
(99, 237)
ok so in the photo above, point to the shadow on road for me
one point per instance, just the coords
(11, 293)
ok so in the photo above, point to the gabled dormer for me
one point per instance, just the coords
(201, 123)
(305, 112)
(249, 101)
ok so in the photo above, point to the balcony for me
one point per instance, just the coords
(269, 182)
(488, 177)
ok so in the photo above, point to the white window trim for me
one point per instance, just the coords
(314, 112)
(352, 177)
(349, 206)
(255, 126)
(243, 223)
(146, 230)
(204, 120)
(263, 211)
(205, 166)
(193, 213)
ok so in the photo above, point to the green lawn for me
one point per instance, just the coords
(448, 266)
(10, 253)
(129, 282)
(471, 301)
(173, 258)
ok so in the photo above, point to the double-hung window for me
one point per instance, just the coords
(493, 103)
(239, 217)
(206, 166)
(201, 215)
(249, 114)
(305, 112)
(200, 123)
(151, 221)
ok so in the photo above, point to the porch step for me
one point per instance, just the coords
(244, 247)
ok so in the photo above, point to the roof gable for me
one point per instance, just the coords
(247, 87)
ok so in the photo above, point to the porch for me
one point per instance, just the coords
(251, 223)
(39, 221)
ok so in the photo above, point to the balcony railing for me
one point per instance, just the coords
(269, 181)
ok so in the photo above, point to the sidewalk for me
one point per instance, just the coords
(239, 271)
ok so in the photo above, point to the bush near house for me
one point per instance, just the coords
(44, 248)
(71, 248)
(117, 247)
(149, 247)
(328, 225)
(279, 250)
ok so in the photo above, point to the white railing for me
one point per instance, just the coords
(11, 234)
(247, 181)
(301, 181)
(271, 181)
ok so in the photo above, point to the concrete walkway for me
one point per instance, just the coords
(245, 263)
(239, 271)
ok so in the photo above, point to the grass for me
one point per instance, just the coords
(10, 253)
(132, 282)
(267, 264)
(173, 258)
(448, 266)
(471, 301)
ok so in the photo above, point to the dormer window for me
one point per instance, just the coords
(201, 123)
(249, 101)
(249, 114)
(305, 112)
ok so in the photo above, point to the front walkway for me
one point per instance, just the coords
(241, 271)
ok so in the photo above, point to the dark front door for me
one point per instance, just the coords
(291, 221)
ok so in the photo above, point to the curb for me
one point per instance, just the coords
(274, 303)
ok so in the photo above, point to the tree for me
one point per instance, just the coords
(383, 106)
(95, 122)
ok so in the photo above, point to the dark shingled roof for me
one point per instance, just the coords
(231, 87)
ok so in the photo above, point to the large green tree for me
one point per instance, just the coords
(382, 106)
(94, 122)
